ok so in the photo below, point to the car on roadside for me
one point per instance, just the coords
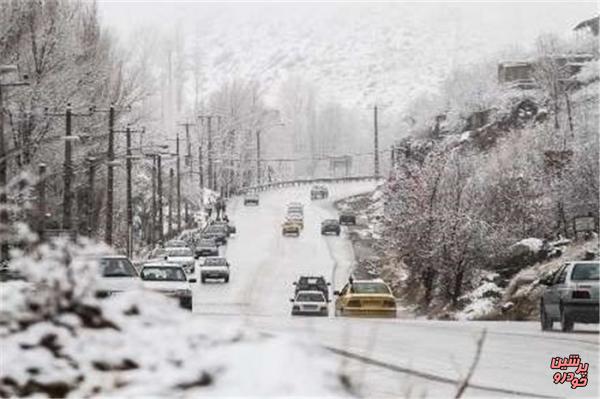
(117, 274)
(319, 192)
(182, 256)
(228, 226)
(330, 226)
(571, 295)
(168, 279)
(290, 228)
(371, 298)
(309, 303)
(214, 267)
(206, 247)
(312, 283)
(251, 199)
(347, 218)
(218, 233)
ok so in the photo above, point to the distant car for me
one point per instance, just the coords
(365, 298)
(312, 283)
(571, 295)
(347, 218)
(206, 247)
(295, 218)
(175, 244)
(295, 207)
(290, 228)
(169, 279)
(182, 256)
(309, 303)
(319, 192)
(214, 267)
(330, 226)
(218, 233)
(251, 199)
(117, 274)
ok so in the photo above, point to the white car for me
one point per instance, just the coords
(214, 267)
(309, 303)
(169, 279)
(117, 274)
(182, 256)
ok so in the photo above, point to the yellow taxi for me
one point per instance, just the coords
(370, 298)
(295, 218)
(290, 228)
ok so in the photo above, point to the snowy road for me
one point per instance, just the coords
(387, 358)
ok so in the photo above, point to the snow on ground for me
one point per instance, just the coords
(59, 339)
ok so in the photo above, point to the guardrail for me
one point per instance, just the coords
(300, 182)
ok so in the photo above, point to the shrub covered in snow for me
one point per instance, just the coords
(58, 339)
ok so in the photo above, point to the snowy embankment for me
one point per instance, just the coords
(58, 339)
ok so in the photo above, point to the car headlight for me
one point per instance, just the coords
(296, 307)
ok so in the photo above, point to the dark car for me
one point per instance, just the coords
(206, 247)
(347, 218)
(319, 192)
(251, 199)
(218, 233)
(571, 296)
(330, 226)
(312, 283)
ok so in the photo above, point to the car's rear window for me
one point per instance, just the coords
(179, 252)
(215, 262)
(312, 281)
(116, 267)
(310, 297)
(586, 272)
(370, 288)
(162, 273)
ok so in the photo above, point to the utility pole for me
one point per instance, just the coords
(170, 217)
(161, 232)
(68, 163)
(67, 172)
(188, 145)
(153, 223)
(375, 144)
(108, 233)
(128, 165)
(110, 176)
(209, 150)
(178, 186)
(91, 183)
(3, 161)
(41, 194)
(200, 170)
(129, 195)
(258, 177)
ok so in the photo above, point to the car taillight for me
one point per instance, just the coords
(354, 303)
(296, 307)
(581, 294)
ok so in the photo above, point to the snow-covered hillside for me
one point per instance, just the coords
(356, 54)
